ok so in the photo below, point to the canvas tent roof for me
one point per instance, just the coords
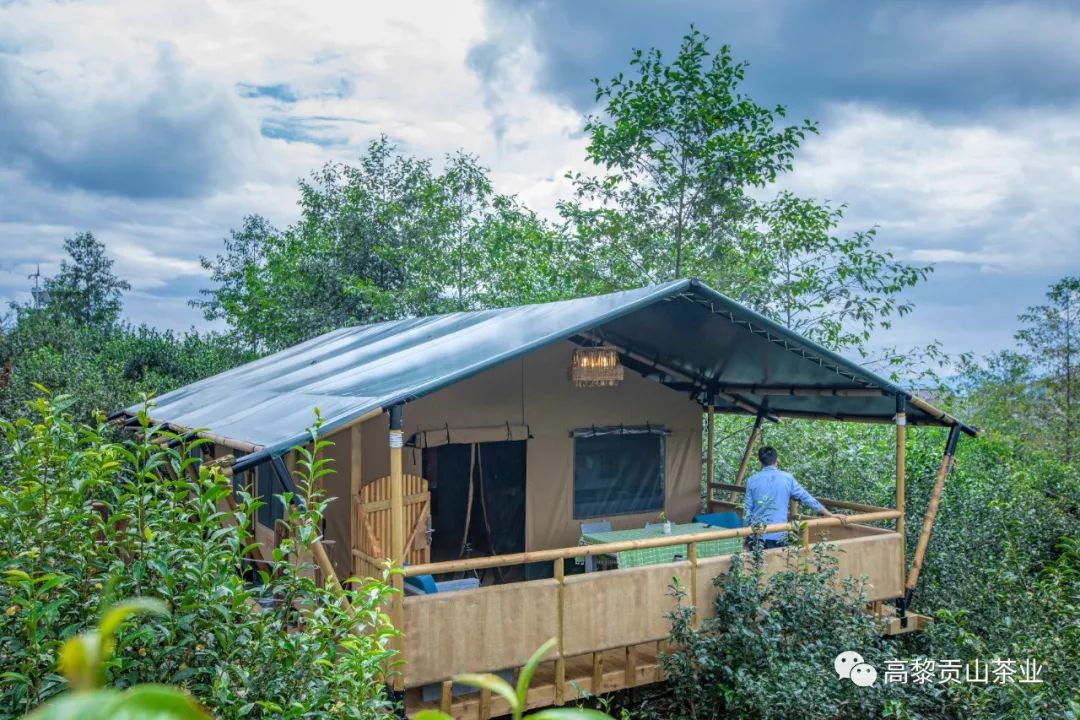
(681, 333)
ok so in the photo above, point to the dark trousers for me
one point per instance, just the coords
(767, 544)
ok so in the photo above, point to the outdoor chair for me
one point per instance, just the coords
(593, 527)
(721, 519)
(426, 585)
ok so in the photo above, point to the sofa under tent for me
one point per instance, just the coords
(477, 444)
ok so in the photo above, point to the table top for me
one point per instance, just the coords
(598, 538)
(667, 553)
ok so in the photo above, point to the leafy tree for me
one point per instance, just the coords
(1051, 336)
(86, 290)
(680, 146)
(384, 239)
(833, 289)
(238, 297)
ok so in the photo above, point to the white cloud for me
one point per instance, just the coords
(999, 194)
(141, 121)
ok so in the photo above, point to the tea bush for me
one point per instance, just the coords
(768, 650)
(85, 519)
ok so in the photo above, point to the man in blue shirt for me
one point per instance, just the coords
(767, 496)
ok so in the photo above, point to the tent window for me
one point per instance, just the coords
(618, 471)
(267, 486)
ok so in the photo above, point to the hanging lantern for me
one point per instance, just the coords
(596, 367)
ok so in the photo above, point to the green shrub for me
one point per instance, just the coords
(84, 519)
(769, 649)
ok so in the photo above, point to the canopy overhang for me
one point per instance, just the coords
(682, 334)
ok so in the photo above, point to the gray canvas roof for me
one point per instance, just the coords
(681, 333)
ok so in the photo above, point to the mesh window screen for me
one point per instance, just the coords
(618, 471)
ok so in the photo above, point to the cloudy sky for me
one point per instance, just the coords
(952, 126)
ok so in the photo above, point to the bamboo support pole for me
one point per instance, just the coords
(553, 554)
(931, 513)
(754, 434)
(560, 660)
(710, 470)
(397, 534)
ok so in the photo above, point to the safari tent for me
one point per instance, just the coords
(512, 458)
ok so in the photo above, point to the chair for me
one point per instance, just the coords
(426, 585)
(593, 527)
(721, 519)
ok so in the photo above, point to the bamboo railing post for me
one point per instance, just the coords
(901, 480)
(560, 660)
(397, 535)
(931, 513)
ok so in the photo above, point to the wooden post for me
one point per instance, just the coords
(754, 434)
(710, 471)
(397, 534)
(446, 696)
(931, 513)
(356, 484)
(597, 673)
(901, 480)
(560, 661)
(630, 671)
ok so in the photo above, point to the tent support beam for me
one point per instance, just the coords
(928, 521)
(710, 435)
(755, 433)
(650, 368)
(397, 536)
(802, 390)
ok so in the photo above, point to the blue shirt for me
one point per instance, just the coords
(767, 496)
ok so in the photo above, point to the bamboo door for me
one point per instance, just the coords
(371, 525)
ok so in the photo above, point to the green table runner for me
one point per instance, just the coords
(657, 555)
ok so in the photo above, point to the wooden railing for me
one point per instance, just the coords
(827, 502)
(558, 602)
(690, 540)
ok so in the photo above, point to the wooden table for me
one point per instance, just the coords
(658, 555)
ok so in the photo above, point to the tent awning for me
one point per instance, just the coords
(681, 333)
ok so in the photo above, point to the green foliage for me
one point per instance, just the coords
(1051, 336)
(74, 344)
(680, 149)
(515, 696)
(86, 291)
(84, 519)
(769, 649)
(384, 239)
(82, 660)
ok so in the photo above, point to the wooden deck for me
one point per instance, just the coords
(609, 625)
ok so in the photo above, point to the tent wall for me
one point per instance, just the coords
(338, 514)
(534, 391)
